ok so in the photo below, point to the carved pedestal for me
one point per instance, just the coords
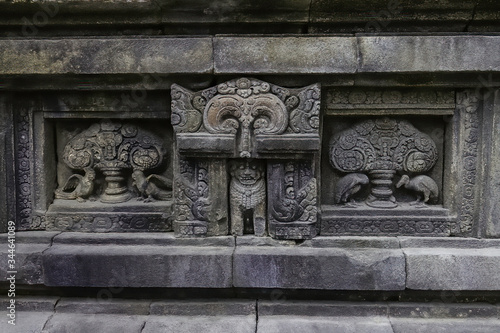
(235, 131)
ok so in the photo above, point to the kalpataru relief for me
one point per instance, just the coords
(236, 132)
(377, 159)
(377, 150)
(114, 180)
(114, 149)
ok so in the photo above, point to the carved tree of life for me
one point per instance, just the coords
(380, 148)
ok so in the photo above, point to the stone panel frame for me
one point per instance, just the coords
(461, 112)
(36, 158)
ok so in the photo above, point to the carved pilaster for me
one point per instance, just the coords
(292, 200)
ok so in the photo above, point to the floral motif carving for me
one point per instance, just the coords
(292, 198)
(192, 192)
(113, 148)
(24, 178)
(467, 105)
(380, 148)
(245, 109)
(110, 222)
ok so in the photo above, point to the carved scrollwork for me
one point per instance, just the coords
(241, 110)
(381, 148)
(263, 114)
(112, 148)
(292, 194)
(186, 110)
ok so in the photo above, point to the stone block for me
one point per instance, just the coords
(104, 323)
(106, 56)
(322, 317)
(259, 11)
(413, 54)
(438, 325)
(31, 313)
(202, 316)
(318, 264)
(30, 246)
(452, 264)
(98, 305)
(285, 55)
(217, 324)
(153, 260)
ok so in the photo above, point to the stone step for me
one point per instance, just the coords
(54, 315)
(159, 260)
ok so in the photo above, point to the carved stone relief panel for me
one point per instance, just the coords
(113, 175)
(387, 179)
(240, 126)
(200, 195)
(378, 149)
(292, 199)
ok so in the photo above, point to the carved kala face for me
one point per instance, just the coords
(247, 172)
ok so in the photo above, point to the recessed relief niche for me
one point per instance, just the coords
(387, 179)
(112, 175)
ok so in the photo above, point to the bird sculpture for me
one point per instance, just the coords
(425, 187)
(77, 187)
(347, 186)
(152, 187)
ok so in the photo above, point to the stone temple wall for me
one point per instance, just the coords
(232, 166)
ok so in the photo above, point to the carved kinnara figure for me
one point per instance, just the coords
(77, 187)
(152, 187)
(247, 196)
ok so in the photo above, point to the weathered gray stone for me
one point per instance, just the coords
(322, 317)
(214, 324)
(490, 212)
(31, 313)
(106, 56)
(440, 325)
(286, 55)
(324, 324)
(204, 308)
(384, 16)
(453, 265)
(30, 246)
(84, 323)
(319, 268)
(259, 11)
(27, 321)
(101, 306)
(138, 265)
(207, 316)
(413, 54)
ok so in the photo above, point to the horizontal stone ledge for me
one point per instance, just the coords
(264, 55)
(130, 55)
(139, 260)
(124, 260)
(316, 265)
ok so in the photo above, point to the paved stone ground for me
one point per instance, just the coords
(54, 315)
